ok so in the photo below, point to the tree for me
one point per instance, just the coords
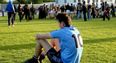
(48, 0)
(29, 1)
(21, 1)
(34, 1)
(37, 1)
(1, 1)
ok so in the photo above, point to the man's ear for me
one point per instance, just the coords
(63, 23)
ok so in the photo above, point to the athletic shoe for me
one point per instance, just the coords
(42, 56)
(32, 60)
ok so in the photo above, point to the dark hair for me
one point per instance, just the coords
(83, 2)
(62, 17)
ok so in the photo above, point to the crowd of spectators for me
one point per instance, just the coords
(78, 11)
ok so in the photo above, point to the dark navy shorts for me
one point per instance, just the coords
(54, 56)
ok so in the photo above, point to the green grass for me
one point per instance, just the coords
(17, 43)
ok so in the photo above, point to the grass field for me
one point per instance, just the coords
(17, 43)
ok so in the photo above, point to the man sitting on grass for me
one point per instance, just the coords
(70, 43)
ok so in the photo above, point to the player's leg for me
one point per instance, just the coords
(9, 17)
(54, 54)
(54, 51)
(85, 19)
(104, 17)
(20, 16)
(23, 14)
(108, 17)
(40, 44)
(55, 44)
(79, 14)
(12, 18)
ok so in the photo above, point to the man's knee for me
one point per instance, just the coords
(38, 41)
(43, 43)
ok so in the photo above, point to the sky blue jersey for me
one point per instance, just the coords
(69, 43)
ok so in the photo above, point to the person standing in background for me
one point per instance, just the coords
(89, 11)
(63, 8)
(26, 11)
(79, 9)
(106, 12)
(32, 10)
(20, 12)
(93, 10)
(113, 10)
(10, 9)
(102, 8)
(84, 11)
(15, 9)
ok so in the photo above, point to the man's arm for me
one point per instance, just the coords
(43, 36)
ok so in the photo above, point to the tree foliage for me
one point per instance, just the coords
(37, 1)
(48, 0)
(1, 1)
(33, 1)
(22, 1)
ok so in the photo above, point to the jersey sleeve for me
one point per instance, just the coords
(55, 34)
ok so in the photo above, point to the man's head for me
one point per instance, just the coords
(64, 20)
